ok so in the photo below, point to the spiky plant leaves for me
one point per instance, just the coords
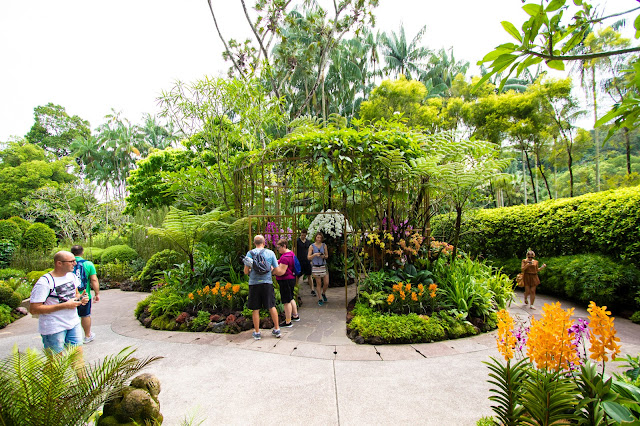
(507, 379)
(548, 397)
(54, 389)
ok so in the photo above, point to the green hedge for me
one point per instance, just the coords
(10, 231)
(39, 237)
(603, 222)
(586, 277)
(121, 252)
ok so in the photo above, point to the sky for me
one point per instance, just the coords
(93, 56)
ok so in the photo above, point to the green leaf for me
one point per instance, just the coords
(636, 25)
(532, 9)
(617, 412)
(555, 5)
(511, 29)
(556, 65)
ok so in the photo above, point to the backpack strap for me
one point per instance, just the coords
(51, 290)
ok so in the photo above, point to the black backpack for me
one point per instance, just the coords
(260, 264)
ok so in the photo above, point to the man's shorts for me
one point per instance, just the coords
(56, 342)
(85, 310)
(286, 289)
(261, 296)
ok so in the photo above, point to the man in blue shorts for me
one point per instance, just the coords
(55, 298)
(91, 277)
(261, 294)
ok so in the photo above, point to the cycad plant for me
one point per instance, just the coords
(47, 389)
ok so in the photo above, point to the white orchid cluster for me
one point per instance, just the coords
(330, 223)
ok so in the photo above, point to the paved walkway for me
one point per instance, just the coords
(313, 375)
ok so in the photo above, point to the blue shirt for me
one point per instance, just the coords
(256, 278)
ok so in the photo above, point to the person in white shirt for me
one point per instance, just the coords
(55, 298)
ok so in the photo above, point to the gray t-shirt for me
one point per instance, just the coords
(65, 289)
(270, 257)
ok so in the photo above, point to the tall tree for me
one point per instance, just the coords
(551, 35)
(254, 57)
(53, 129)
(402, 58)
(604, 40)
(24, 168)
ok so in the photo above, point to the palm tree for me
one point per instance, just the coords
(402, 58)
(442, 69)
(606, 39)
(155, 135)
(55, 389)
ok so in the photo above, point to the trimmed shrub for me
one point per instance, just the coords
(22, 223)
(9, 297)
(34, 276)
(11, 273)
(10, 231)
(122, 253)
(603, 222)
(7, 249)
(5, 316)
(584, 278)
(158, 263)
(94, 254)
(39, 237)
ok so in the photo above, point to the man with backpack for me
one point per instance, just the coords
(86, 273)
(259, 264)
(55, 298)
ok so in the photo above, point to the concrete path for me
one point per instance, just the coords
(313, 375)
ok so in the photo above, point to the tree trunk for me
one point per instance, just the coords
(595, 129)
(456, 238)
(625, 130)
(569, 165)
(546, 183)
(535, 196)
(524, 179)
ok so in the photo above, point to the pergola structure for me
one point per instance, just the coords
(276, 190)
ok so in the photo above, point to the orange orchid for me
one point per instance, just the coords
(602, 333)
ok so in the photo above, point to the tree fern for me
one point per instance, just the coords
(184, 229)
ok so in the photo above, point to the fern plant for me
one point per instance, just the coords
(46, 389)
(184, 229)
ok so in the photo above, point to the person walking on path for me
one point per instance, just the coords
(318, 255)
(286, 278)
(86, 273)
(530, 277)
(55, 298)
(302, 248)
(261, 293)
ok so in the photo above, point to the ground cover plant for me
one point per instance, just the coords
(554, 371)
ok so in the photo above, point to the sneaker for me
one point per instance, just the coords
(324, 297)
(276, 333)
(313, 293)
(257, 336)
(286, 324)
(295, 318)
(320, 303)
(90, 338)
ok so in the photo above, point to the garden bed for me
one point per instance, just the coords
(366, 326)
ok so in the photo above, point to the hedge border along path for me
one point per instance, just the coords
(605, 222)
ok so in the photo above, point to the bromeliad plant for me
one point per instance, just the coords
(554, 380)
